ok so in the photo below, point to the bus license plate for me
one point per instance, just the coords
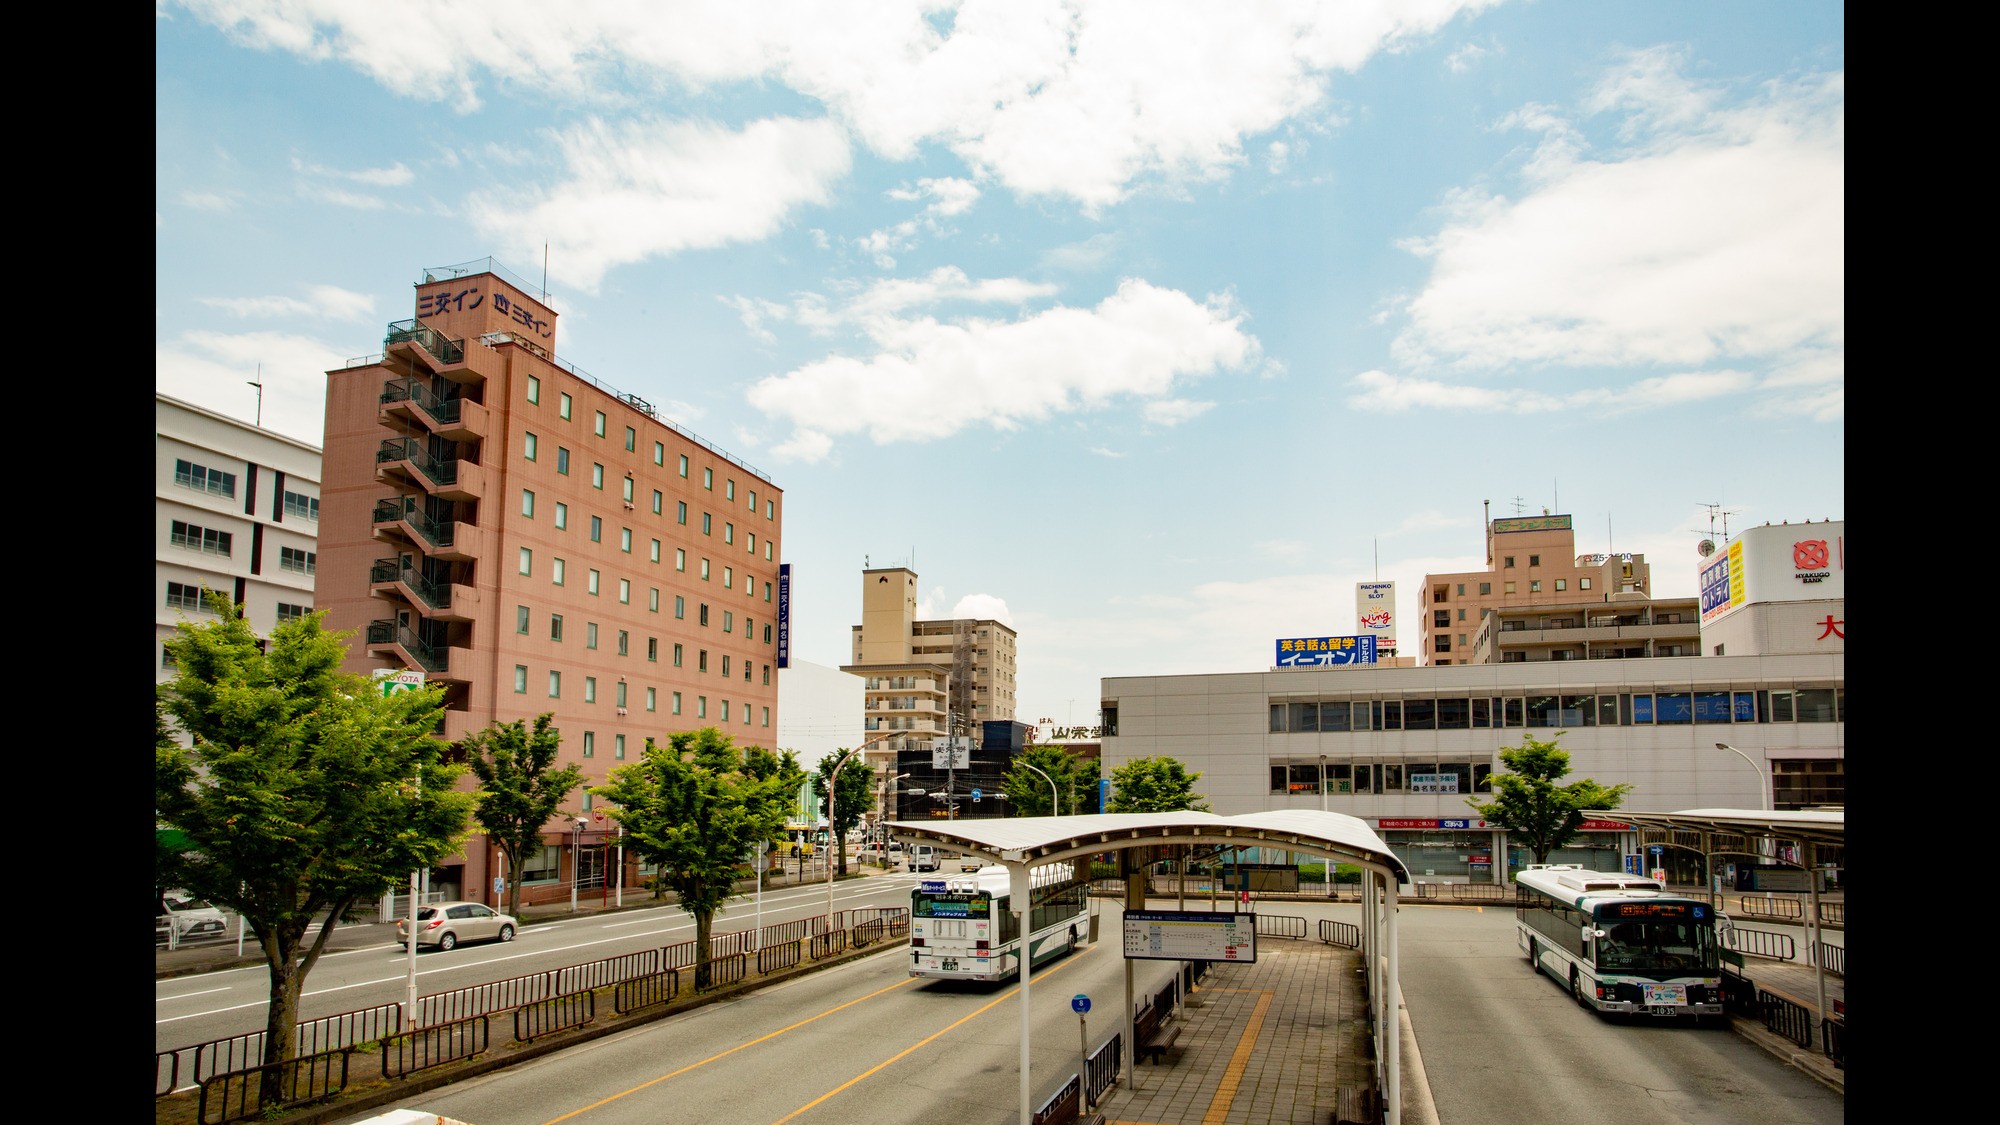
(949, 965)
(1666, 995)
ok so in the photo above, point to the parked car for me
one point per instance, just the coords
(923, 857)
(970, 862)
(185, 917)
(446, 924)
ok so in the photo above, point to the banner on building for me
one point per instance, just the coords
(1375, 614)
(1304, 652)
(784, 615)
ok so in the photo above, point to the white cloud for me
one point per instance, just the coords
(1172, 412)
(212, 370)
(1049, 98)
(638, 189)
(1715, 236)
(208, 201)
(1385, 393)
(929, 378)
(327, 302)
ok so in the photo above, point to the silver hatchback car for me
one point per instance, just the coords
(445, 924)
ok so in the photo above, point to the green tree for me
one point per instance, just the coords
(520, 789)
(1074, 775)
(855, 795)
(697, 807)
(302, 792)
(1154, 785)
(1529, 804)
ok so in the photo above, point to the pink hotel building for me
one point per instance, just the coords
(536, 541)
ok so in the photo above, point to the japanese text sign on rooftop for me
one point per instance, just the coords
(1302, 652)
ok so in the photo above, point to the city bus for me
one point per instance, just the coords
(1620, 942)
(963, 928)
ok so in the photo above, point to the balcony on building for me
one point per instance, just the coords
(441, 601)
(400, 521)
(408, 401)
(404, 462)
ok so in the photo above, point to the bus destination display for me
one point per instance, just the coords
(953, 906)
(1652, 910)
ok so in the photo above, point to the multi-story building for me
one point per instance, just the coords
(1531, 564)
(1758, 722)
(1614, 627)
(237, 511)
(537, 541)
(925, 680)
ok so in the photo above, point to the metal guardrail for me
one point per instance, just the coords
(243, 1095)
(435, 1046)
(1280, 925)
(1344, 934)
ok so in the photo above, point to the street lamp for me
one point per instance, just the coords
(1055, 804)
(576, 863)
(1767, 803)
(1322, 783)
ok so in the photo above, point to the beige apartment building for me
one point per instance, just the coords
(1539, 585)
(511, 527)
(919, 675)
(235, 510)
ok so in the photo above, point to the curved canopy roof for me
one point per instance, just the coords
(1046, 839)
(1820, 826)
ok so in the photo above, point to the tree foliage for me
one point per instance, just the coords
(1529, 804)
(700, 807)
(304, 791)
(1075, 778)
(520, 789)
(854, 795)
(1154, 785)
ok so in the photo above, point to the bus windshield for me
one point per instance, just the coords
(1660, 947)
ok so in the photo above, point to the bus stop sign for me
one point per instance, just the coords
(1080, 1003)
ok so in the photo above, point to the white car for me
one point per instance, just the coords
(187, 917)
(448, 923)
(923, 857)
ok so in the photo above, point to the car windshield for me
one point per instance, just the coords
(425, 913)
(174, 903)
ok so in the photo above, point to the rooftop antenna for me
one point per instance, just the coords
(1716, 512)
(1519, 505)
(259, 384)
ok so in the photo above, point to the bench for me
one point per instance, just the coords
(1151, 1036)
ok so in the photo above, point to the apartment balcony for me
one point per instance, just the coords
(400, 519)
(386, 638)
(418, 342)
(432, 599)
(403, 461)
(411, 401)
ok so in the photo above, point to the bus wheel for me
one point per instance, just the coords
(1072, 937)
(1534, 960)
(1576, 988)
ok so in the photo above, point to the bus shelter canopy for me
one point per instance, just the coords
(1035, 840)
(1816, 826)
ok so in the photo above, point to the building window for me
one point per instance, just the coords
(597, 529)
(701, 661)
(701, 707)
(289, 612)
(729, 533)
(652, 698)
(1509, 588)
(590, 744)
(528, 445)
(1534, 560)
(1461, 589)
(520, 619)
(708, 479)
(196, 538)
(628, 488)
(560, 568)
(652, 648)
(624, 591)
(654, 552)
(770, 509)
(563, 405)
(521, 679)
(1509, 563)
(534, 389)
(767, 716)
(728, 621)
(1461, 613)
(596, 475)
(703, 621)
(659, 500)
(555, 683)
(684, 466)
(528, 503)
(725, 710)
(1443, 642)
(1534, 585)
(653, 598)
(555, 626)
(618, 693)
(527, 561)
(729, 578)
(562, 460)
(300, 505)
(681, 559)
(660, 453)
(705, 525)
(624, 641)
(618, 746)
(1583, 583)
(1561, 585)
(704, 570)
(1486, 587)
(593, 581)
(680, 608)
(590, 634)
(677, 703)
(590, 689)
(729, 489)
(767, 634)
(201, 478)
(598, 426)
(767, 675)
(767, 591)
(301, 562)
(725, 665)
(1440, 618)
(678, 650)
(681, 512)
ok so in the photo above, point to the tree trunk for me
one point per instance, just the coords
(281, 1016)
(702, 971)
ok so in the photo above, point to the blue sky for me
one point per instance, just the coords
(1149, 328)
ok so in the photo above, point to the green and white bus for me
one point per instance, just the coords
(1621, 942)
(963, 928)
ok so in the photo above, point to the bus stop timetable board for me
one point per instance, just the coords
(1174, 935)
